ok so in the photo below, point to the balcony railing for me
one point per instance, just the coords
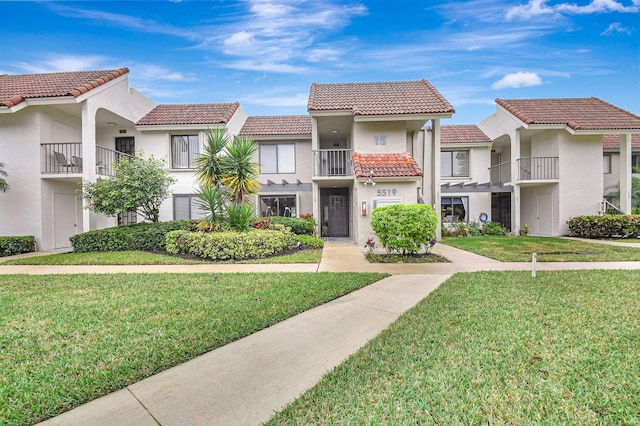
(61, 158)
(332, 162)
(500, 173)
(538, 168)
(66, 158)
(106, 159)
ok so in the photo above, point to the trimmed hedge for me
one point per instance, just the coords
(298, 226)
(141, 236)
(309, 241)
(230, 245)
(17, 245)
(605, 226)
(405, 228)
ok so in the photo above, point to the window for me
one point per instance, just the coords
(454, 209)
(280, 158)
(454, 163)
(184, 150)
(184, 207)
(635, 161)
(278, 206)
(606, 164)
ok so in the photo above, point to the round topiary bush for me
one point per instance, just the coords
(405, 228)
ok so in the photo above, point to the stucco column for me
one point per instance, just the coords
(88, 157)
(625, 173)
(515, 174)
(435, 175)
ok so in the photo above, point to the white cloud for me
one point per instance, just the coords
(149, 72)
(616, 27)
(251, 65)
(293, 100)
(539, 7)
(518, 79)
(61, 63)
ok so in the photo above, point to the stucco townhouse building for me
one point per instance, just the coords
(361, 146)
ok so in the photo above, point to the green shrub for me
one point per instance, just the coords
(494, 228)
(606, 226)
(17, 245)
(298, 226)
(309, 241)
(230, 245)
(404, 228)
(239, 216)
(141, 236)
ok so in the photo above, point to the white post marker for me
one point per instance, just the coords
(533, 265)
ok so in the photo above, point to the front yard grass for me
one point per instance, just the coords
(548, 249)
(495, 348)
(151, 258)
(65, 340)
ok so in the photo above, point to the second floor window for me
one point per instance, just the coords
(277, 158)
(454, 163)
(184, 150)
(606, 164)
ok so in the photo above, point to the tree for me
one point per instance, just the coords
(239, 171)
(4, 186)
(209, 163)
(139, 184)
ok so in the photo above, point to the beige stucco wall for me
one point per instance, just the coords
(393, 132)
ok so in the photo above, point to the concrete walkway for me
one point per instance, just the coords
(245, 382)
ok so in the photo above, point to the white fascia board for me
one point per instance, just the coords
(397, 117)
(60, 100)
(180, 127)
(445, 146)
(606, 132)
(390, 179)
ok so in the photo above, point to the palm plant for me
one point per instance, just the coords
(240, 172)
(3, 183)
(209, 163)
(213, 201)
(239, 216)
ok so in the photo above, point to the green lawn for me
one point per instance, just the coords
(65, 340)
(148, 258)
(548, 249)
(495, 348)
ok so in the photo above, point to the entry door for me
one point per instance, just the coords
(126, 145)
(338, 216)
(65, 219)
(544, 219)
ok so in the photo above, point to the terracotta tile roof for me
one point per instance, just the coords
(613, 141)
(276, 125)
(385, 165)
(577, 113)
(177, 114)
(464, 133)
(382, 98)
(16, 88)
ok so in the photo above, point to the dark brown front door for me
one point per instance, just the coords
(126, 145)
(335, 212)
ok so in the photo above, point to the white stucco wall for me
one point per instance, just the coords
(580, 173)
(391, 136)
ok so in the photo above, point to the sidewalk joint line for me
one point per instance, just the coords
(143, 406)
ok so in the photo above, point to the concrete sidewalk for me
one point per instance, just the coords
(245, 382)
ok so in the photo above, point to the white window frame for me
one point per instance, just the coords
(194, 212)
(464, 200)
(294, 211)
(279, 166)
(179, 164)
(451, 153)
(606, 164)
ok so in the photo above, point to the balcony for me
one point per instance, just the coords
(332, 163)
(529, 169)
(66, 159)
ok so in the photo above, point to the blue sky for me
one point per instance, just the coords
(265, 54)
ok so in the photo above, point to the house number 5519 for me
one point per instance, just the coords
(386, 192)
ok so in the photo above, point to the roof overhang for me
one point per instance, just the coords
(390, 179)
(401, 117)
(473, 187)
(447, 146)
(305, 137)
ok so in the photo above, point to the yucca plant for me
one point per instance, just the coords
(239, 216)
(211, 200)
(209, 163)
(240, 172)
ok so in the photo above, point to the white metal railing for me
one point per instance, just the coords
(538, 168)
(332, 162)
(500, 173)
